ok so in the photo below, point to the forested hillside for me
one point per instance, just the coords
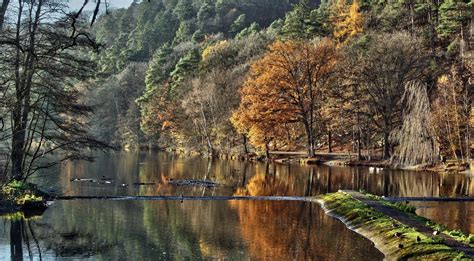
(389, 78)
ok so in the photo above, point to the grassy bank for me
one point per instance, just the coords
(21, 196)
(395, 239)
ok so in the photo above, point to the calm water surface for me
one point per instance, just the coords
(194, 230)
(237, 177)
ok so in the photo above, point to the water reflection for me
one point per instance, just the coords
(214, 230)
(454, 215)
(22, 240)
(192, 230)
(237, 177)
(290, 235)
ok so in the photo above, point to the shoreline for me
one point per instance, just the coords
(24, 198)
(329, 159)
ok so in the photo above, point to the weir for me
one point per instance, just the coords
(268, 198)
(187, 198)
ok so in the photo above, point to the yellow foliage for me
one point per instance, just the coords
(450, 116)
(347, 20)
(443, 79)
(213, 49)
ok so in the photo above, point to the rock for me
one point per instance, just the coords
(311, 161)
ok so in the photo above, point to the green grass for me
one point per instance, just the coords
(393, 238)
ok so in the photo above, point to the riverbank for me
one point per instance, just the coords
(330, 159)
(22, 197)
(395, 229)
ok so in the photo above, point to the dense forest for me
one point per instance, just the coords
(372, 77)
(378, 79)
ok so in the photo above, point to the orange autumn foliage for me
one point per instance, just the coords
(286, 89)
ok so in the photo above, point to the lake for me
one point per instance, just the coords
(195, 230)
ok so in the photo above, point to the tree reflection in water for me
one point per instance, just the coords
(231, 174)
(26, 235)
(21, 232)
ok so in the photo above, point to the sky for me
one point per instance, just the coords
(76, 4)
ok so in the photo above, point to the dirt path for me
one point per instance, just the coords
(420, 226)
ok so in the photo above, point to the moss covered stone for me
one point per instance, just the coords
(393, 238)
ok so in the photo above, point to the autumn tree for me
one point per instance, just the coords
(452, 109)
(347, 20)
(287, 85)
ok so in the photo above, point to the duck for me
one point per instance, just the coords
(104, 178)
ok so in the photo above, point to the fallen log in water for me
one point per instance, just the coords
(186, 182)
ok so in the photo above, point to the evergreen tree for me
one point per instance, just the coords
(252, 29)
(452, 16)
(186, 67)
(157, 71)
(184, 10)
(298, 22)
(238, 25)
(206, 12)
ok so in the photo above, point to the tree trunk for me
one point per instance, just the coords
(246, 149)
(310, 141)
(386, 145)
(16, 241)
(3, 10)
(359, 146)
(210, 148)
(18, 144)
(359, 150)
(329, 141)
(267, 151)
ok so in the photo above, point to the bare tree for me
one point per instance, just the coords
(416, 138)
(43, 60)
(385, 64)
